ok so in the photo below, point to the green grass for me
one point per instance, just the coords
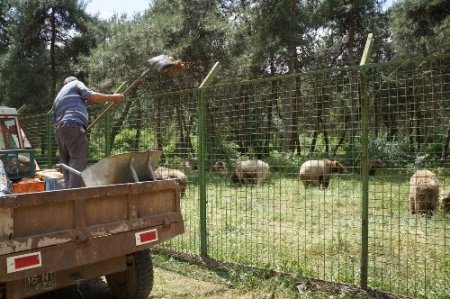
(316, 233)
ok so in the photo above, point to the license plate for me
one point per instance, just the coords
(37, 283)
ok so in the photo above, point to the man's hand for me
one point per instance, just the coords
(99, 98)
(120, 97)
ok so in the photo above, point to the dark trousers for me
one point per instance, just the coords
(73, 149)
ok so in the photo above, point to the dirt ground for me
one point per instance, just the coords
(175, 279)
(167, 284)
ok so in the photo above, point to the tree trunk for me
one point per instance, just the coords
(52, 53)
(312, 147)
(339, 144)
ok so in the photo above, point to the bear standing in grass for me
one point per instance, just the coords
(318, 172)
(423, 192)
(251, 171)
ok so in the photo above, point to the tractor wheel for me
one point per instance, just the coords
(136, 282)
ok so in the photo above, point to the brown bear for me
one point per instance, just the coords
(423, 192)
(318, 172)
(219, 168)
(162, 173)
(251, 171)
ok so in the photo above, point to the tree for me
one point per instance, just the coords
(47, 36)
(4, 26)
(420, 27)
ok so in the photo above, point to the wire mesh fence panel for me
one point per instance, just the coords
(267, 212)
(165, 122)
(39, 131)
(283, 176)
(409, 227)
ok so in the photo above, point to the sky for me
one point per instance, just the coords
(107, 8)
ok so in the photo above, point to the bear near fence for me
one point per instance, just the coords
(250, 171)
(318, 173)
(220, 168)
(423, 192)
(162, 173)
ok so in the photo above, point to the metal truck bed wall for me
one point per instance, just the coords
(52, 231)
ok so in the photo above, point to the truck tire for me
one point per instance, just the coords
(136, 282)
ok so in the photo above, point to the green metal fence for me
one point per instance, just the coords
(286, 121)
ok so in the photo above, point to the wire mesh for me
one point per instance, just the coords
(267, 217)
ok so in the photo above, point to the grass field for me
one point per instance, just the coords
(316, 233)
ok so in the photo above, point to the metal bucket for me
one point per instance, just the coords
(122, 168)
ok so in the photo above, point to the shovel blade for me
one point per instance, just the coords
(160, 62)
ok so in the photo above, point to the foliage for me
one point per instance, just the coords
(345, 26)
(46, 36)
(420, 27)
(283, 162)
(393, 153)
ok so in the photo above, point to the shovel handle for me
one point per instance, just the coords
(71, 169)
(125, 93)
(136, 82)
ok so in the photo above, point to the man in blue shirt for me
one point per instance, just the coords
(70, 119)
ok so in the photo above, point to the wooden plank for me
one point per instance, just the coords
(367, 50)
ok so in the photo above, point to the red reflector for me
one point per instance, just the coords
(27, 261)
(146, 237)
(23, 262)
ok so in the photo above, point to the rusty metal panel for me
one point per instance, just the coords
(17, 289)
(74, 254)
(43, 218)
(50, 218)
(158, 202)
(106, 209)
(6, 224)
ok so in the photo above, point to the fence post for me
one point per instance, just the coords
(202, 157)
(365, 163)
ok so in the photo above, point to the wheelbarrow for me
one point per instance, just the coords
(129, 167)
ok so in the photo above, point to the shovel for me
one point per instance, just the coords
(159, 63)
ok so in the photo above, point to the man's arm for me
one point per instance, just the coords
(99, 98)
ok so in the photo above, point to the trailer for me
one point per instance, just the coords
(52, 237)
